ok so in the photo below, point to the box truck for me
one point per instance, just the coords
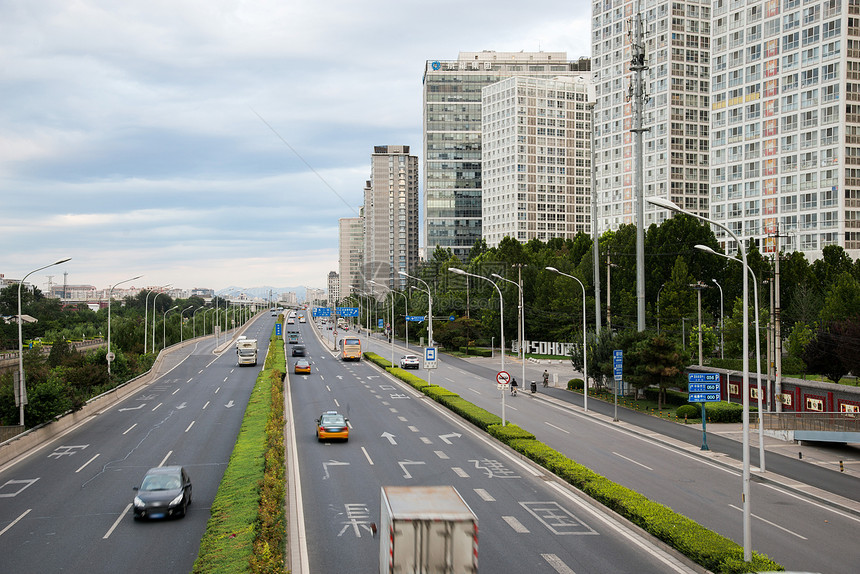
(426, 529)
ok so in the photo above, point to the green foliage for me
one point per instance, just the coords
(723, 412)
(476, 351)
(575, 385)
(472, 413)
(509, 432)
(688, 411)
(656, 361)
(843, 299)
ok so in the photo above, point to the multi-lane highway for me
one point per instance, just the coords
(528, 522)
(66, 506)
(799, 532)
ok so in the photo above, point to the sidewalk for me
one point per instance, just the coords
(823, 455)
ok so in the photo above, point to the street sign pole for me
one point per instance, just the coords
(703, 388)
(618, 368)
(704, 428)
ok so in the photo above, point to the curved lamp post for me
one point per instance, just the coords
(666, 204)
(22, 387)
(707, 249)
(430, 342)
(501, 322)
(146, 314)
(181, 334)
(194, 321)
(164, 326)
(721, 317)
(372, 282)
(584, 339)
(110, 296)
(522, 322)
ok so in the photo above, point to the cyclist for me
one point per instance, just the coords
(545, 378)
(514, 386)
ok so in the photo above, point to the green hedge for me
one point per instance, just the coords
(384, 363)
(723, 412)
(408, 378)
(509, 432)
(472, 413)
(675, 398)
(575, 385)
(476, 351)
(688, 411)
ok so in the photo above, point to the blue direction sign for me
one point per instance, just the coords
(703, 387)
(347, 311)
(617, 364)
(322, 312)
(380, 323)
(704, 398)
(703, 377)
(278, 327)
(416, 318)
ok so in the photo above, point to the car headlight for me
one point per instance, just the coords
(138, 503)
(177, 500)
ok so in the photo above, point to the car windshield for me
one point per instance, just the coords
(160, 482)
(332, 420)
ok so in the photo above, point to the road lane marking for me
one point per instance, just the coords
(115, 524)
(328, 388)
(557, 564)
(174, 392)
(92, 459)
(216, 390)
(189, 426)
(189, 380)
(206, 405)
(156, 406)
(337, 404)
(485, 496)
(476, 391)
(631, 460)
(459, 471)
(392, 410)
(766, 521)
(413, 428)
(14, 522)
(515, 524)
(557, 428)
(426, 440)
(129, 428)
(163, 460)
(402, 419)
(441, 454)
(367, 456)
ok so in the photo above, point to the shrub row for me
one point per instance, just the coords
(476, 351)
(709, 549)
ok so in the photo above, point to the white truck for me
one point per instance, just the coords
(427, 529)
(246, 350)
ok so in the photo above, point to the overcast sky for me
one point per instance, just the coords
(134, 136)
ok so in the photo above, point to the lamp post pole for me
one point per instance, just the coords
(522, 322)
(164, 326)
(501, 323)
(660, 290)
(372, 282)
(721, 317)
(194, 320)
(146, 315)
(584, 339)
(181, 334)
(430, 342)
(666, 204)
(110, 296)
(22, 387)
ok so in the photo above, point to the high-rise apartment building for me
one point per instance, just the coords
(333, 288)
(351, 256)
(391, 216)
(675, 145)
(785, 125)
(536, 158)
(451, 178)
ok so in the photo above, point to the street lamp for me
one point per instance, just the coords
(372, 282)
(181, 334)
(698, 286)
(522, 314)
(164, 326)
(430, 341)
(146, 315)
(707, 249)
(660, 290)
(501, 322)
(194, 320)
(109, 355)
(22, 387)
(721, 318)
(154, 299)
(584, 340)
(745, 417)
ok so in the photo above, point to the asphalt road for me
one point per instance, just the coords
(66, 507)
(798, 532)
(528, 522)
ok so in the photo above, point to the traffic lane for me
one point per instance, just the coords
(394, 462)
(703, 491)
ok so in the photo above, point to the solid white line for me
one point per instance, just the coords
(557, 564)
(771, 523)
(557, 428)
(486, 496)
(129, 428)
(115, 524)
(163, 460)
(515, 524)
(367, 456)
(14, 522)
(631, 460)
(89, 461)
(206, 405)
(189, 426)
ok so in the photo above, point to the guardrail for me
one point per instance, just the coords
(807, 421)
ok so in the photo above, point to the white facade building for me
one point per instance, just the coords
(536, 158)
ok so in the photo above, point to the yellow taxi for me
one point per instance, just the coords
(332, 424)
(302, 367)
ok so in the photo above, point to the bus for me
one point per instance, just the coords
(350, 349)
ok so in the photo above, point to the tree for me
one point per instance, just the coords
(657, 361)
(821, 357)
(843, 299)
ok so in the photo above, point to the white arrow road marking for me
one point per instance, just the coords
(403, 464)
(389, 436)
(332, 463)
(445, 437)
(229, 405)
(133, 408)
(181, 406)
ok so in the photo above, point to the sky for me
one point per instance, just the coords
(216, 143)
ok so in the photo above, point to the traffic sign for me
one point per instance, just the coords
(415, 318)
(703, 377)
(321, 312)
(278, 327)
(430, 358)
(704, 398)
(347, 311)
(703, 387)
(380, 323)
(618, 364)
(503, 377)
(452, 318)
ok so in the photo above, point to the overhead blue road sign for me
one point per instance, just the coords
(347, 311)
(703, 377)
(704, 398)
(416, 318)
(321, 312)
(703, 387)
